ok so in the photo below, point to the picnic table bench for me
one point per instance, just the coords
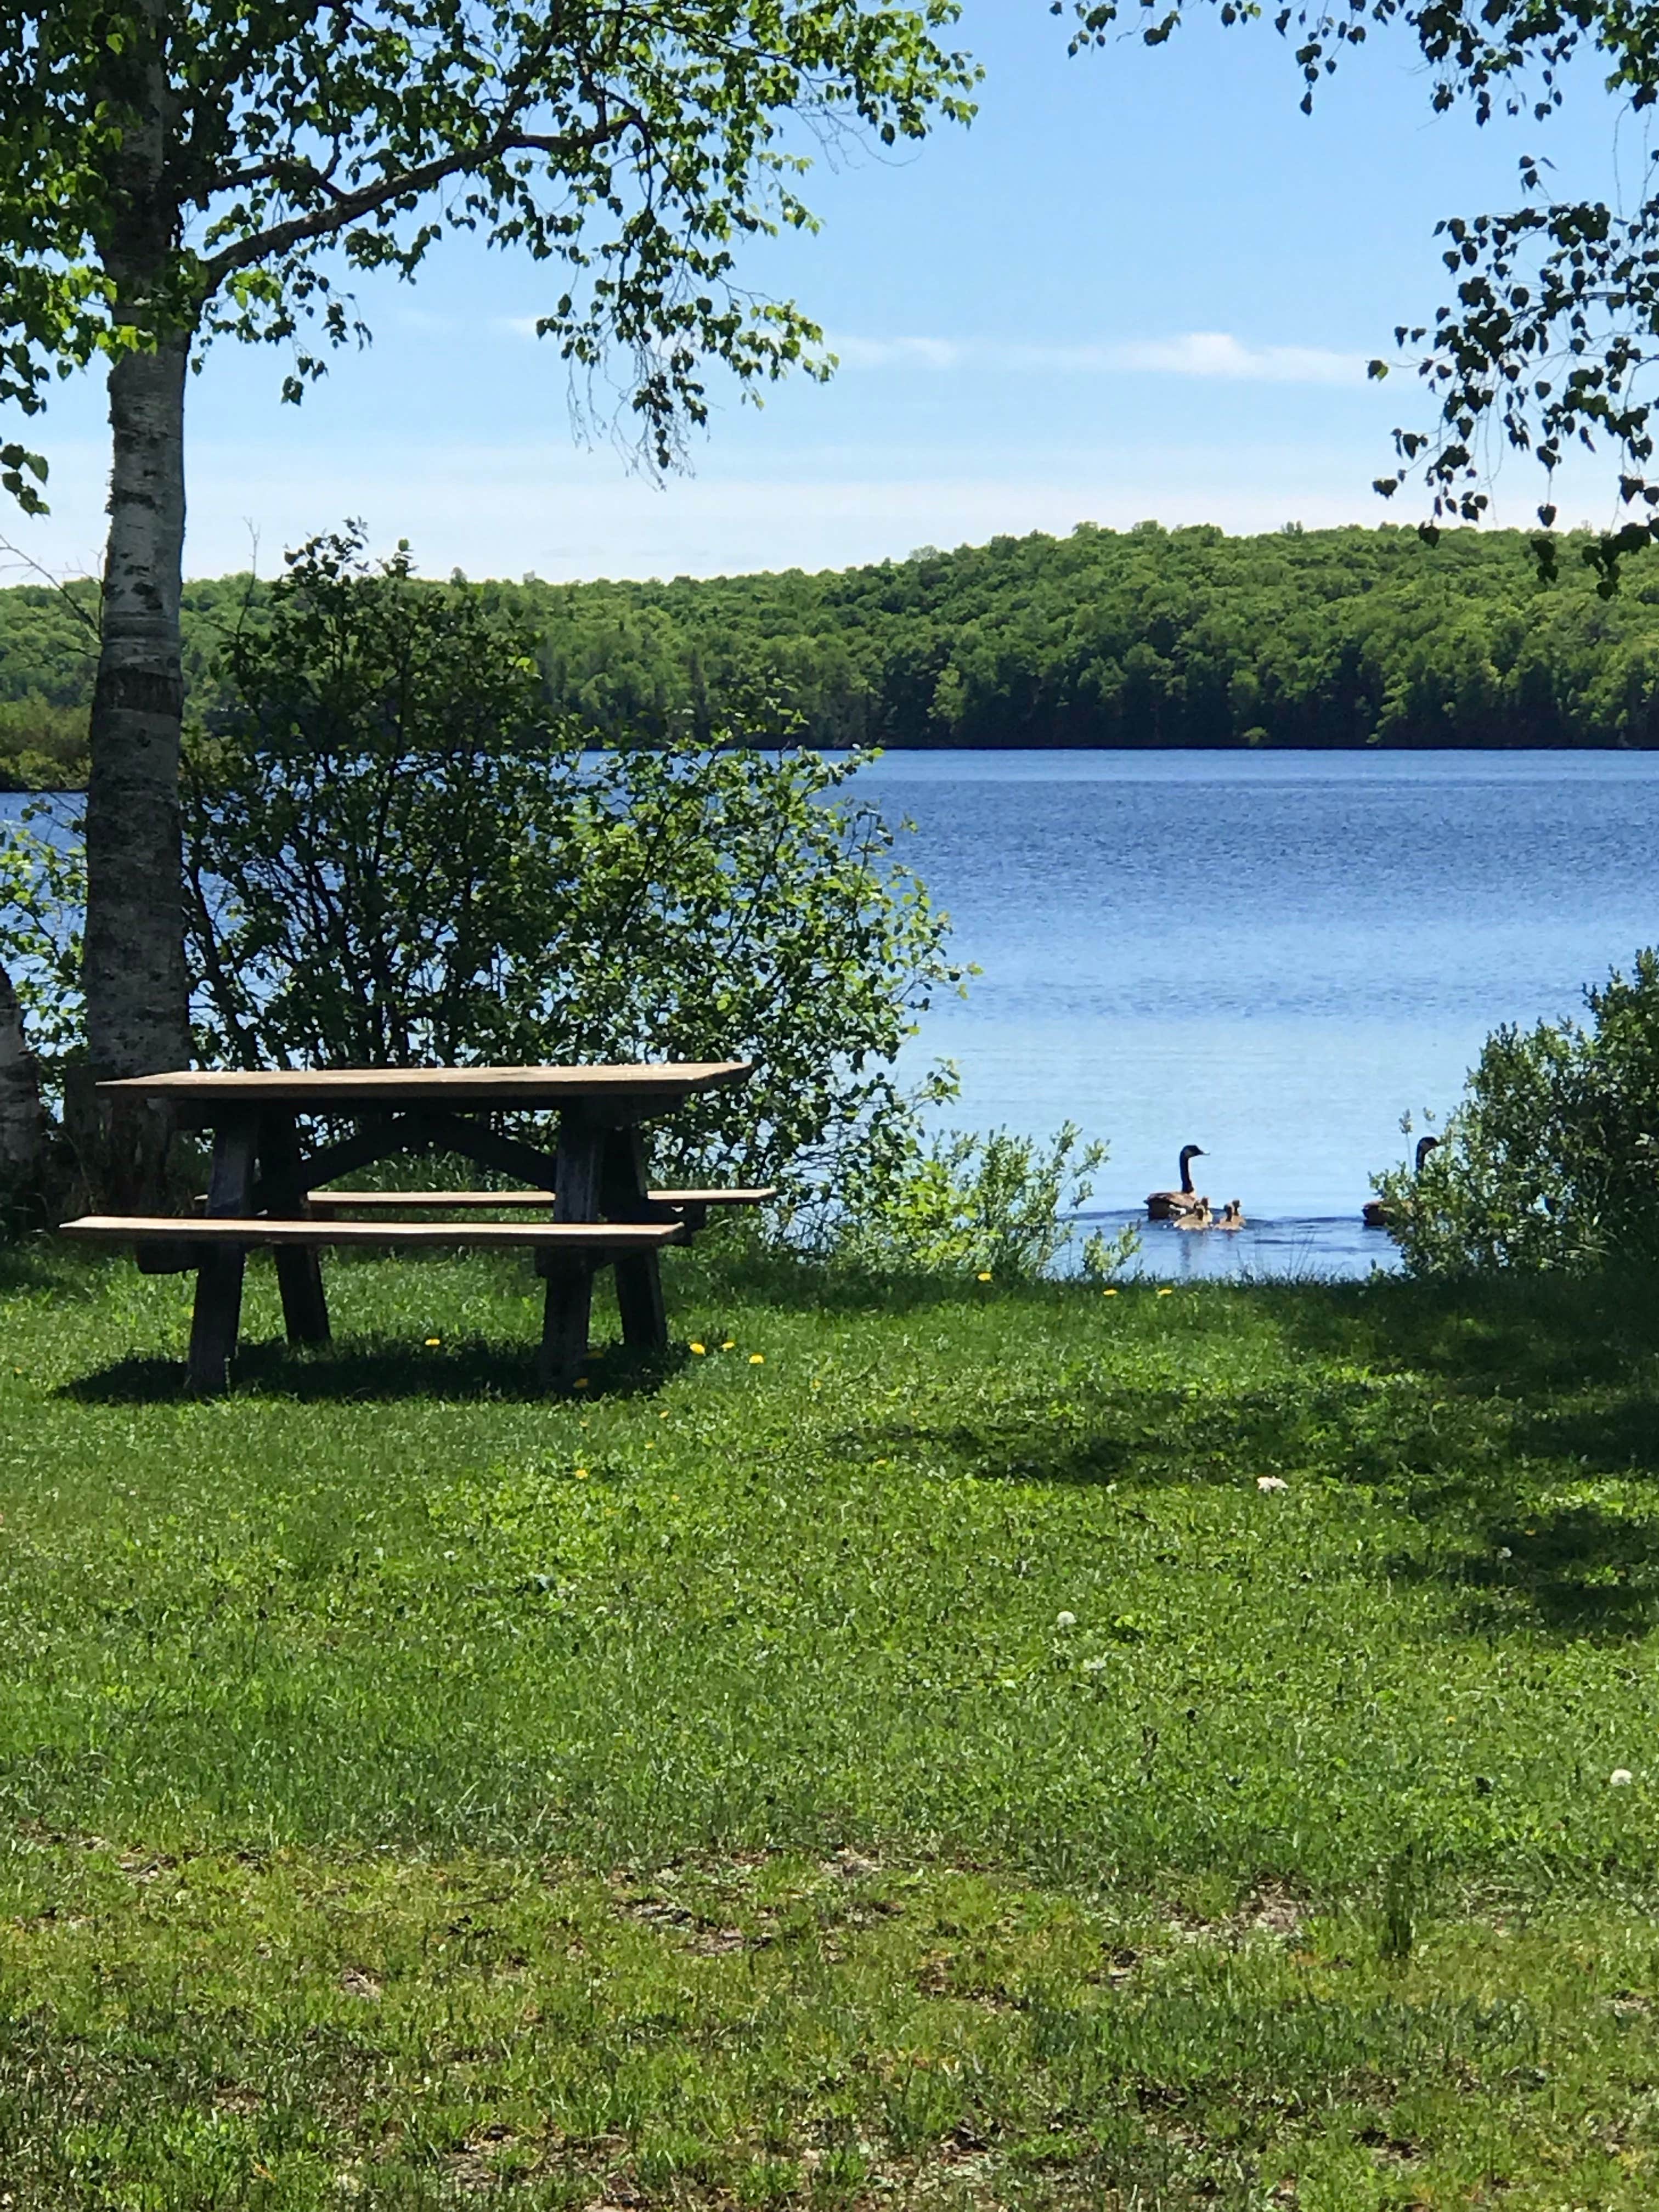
(591, 1197)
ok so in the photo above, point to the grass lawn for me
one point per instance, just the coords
(967, 1747)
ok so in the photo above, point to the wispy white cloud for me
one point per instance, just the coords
(902, 353)
(1217, 352)
(1214, 354)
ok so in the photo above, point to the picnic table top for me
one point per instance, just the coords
(323, 1089)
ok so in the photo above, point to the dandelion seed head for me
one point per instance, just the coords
(1621, 1777)
(1065, 1621)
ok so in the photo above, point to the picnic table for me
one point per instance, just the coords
(588, 1203)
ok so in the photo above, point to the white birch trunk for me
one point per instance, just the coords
(138, 1004)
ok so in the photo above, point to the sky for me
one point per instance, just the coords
(1142, 285)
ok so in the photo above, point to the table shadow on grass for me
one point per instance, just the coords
(380, 1369)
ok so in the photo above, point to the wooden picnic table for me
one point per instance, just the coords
(593, 1185)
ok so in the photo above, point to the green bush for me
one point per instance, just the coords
(1551, 1157)
(395, 858)
(994, 1205)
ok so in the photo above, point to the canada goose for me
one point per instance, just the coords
(1170, 1205)
(1375, 1212)
(1233, 1215)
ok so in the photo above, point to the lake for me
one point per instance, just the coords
(1274, 955)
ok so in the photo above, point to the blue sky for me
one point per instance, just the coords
(1142, 285)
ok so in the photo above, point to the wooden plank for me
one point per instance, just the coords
(624, 1196)
(461, 1201)
(487, 1148)
(487, 1236)
(655, 1085)
(382, 1139)
(299, 1271)
(566, 1315)
(217, 1318)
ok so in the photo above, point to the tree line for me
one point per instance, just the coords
(1146, 637)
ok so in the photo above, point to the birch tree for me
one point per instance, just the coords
(176, 171)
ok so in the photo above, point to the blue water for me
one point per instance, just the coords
(1273, 955)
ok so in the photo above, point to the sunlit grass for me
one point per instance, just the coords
(1027, 1745)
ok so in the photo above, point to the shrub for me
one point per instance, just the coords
(960, 1203)
(396, 857)
(1551, 1157)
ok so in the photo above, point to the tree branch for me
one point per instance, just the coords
(282, 239)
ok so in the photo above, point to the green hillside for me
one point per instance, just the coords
(1141, 638)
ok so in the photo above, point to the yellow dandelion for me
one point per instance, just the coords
(1109, 1294)
(984, 1275)
(1166, 1292)
(730, 1343)
(758, 1359)
(699, 1349)
(432, 1342)
(581, 1474)
(582, 1381)
(817, 1385)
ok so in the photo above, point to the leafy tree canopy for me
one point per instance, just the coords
(1549, 336)
(214, 165)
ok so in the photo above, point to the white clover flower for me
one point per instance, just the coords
(1505, 1553)
(1065, 1621)
(1095, 1666)
(1271, 1482)
(1621, 1777)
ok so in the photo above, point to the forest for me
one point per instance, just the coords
(1145, 637)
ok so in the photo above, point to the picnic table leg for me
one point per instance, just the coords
(570, 1275)
(218, 1315)
(625, 1195)
(298, 1267)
